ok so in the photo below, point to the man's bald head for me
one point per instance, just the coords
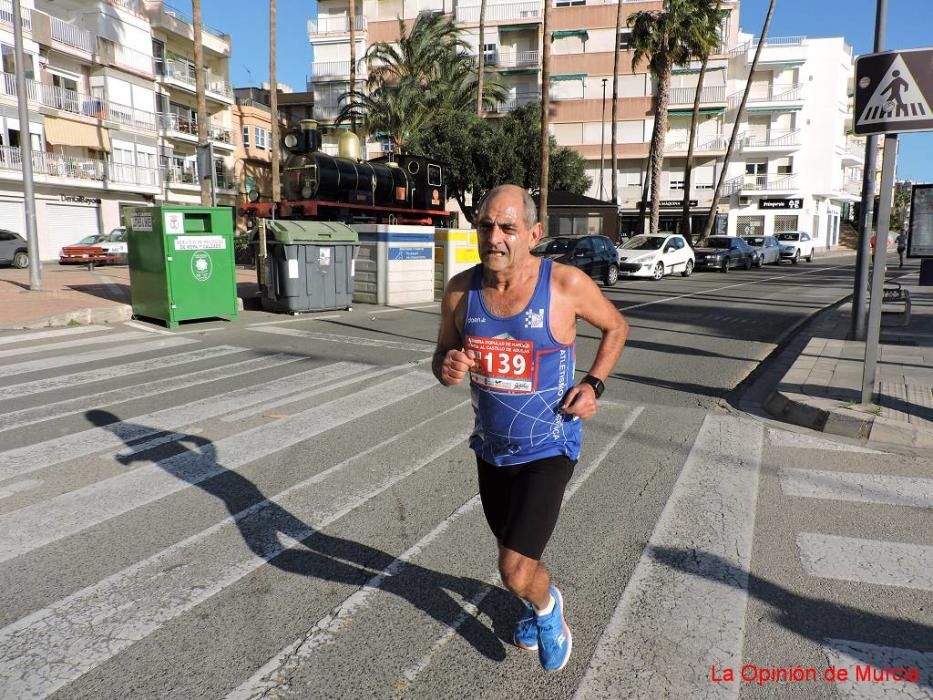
(529, 210)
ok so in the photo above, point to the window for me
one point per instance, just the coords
(750, 225)
(260, 137)
(489, 54)
(783, 224)
(434, 175)
(245, 137)
(677, 183)
(569, 3)
(625, 38)
(785, 166)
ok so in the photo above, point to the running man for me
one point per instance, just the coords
(510, 323)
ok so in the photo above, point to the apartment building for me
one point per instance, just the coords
(103, 132)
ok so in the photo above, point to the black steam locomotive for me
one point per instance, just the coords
(317, 186)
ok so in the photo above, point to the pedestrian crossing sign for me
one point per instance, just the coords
(893, 92)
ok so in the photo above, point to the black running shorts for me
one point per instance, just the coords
(522, 502)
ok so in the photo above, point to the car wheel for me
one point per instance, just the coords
(810, 257)
(20, 260)
(725, 266)
(759, 261)
(658, 271)
(688, 270)
(612, 275)
(748, 263)
(796, 258)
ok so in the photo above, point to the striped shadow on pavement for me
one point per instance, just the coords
(683, 609)
(863, 657)
(57, 333)
(115, 338)
(861, 488)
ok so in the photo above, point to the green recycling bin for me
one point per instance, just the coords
(308, 266)
(181, 262)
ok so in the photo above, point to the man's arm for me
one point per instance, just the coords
(450, 363)
(592, 306)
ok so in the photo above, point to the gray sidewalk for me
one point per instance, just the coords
(821, 385)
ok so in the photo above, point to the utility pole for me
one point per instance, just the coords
(25, 148)
(602, 141)
(857, 325)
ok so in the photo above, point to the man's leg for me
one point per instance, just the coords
(525, 577)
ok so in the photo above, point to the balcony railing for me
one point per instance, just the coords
(70, 35)
(133, 174)
(336, 69)
(6, 15)
(184, 72)
(773, 93)
(774, 138)
(855, 150)
(187, 176)
(510, 59)
(128, 5)
(494, 13)
(8, 87)
(183, 16)
(770, 182)
(685, 95)
(335, 25)
(53, 164)
(852, 186)
(717, 143)
(519, 100)
(779, 41)
(172, 122)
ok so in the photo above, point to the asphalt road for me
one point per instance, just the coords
(286, 507)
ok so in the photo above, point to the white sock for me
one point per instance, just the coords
(548, 609)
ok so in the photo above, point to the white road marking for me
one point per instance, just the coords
(855, 656)
(67, 344)
(867, 561)
(52, 647)
(35, 526)
(47, 453)
(719, 289)
(148, 329)
(19, 487)
(113, 354)
(57, 409)
(471, 608)
(402, 308)
(58, 333)
(349, 339)
(787, 438)
(683, 609)
(861, 488)
(102, 374)
(294, 320)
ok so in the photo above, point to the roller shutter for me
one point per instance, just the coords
(13, 217)
(66, 224)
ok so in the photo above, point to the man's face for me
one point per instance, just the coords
(504, 239)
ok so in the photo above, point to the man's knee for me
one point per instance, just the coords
(517, 571)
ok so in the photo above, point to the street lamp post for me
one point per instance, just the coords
(602, 142)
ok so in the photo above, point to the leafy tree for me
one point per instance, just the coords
(673, 36)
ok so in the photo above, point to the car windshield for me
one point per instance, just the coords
(555, 245)
(117, 235)
(754, 240)
(644, 243)
(88, 240)
(788, 236)
(713, 243)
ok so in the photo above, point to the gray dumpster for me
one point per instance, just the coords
(308, 266)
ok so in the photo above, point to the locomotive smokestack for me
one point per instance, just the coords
(310, 136)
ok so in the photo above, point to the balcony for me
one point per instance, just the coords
(6, 15)
(328, 70)
(513, 103)
(771, 141)
(70, 35)
(713, 145)
(854, 154)
(531, 12)
(852, 186)
(125, 58)
(782, 47)
(54, 165)
(709, 94)
(133, 6)
(181, 73)
(188, 177)
(177, 126)
(762, 184)
(511, 59)
(122, 174)
(774, 94)
(323, 26)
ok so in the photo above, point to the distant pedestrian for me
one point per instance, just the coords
(901, 247)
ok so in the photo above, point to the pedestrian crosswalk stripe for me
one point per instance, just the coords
(76, 343)
(90, 626)
(863, 488)
(867, 561)
(16, 487)
(57, 333)
(116, 371)
(684, 606)
(35, 526)
(889, 105)
(347, 339)
(58, 409)
(47, 453)
(847, 654)
(68, 360)
(786, 438)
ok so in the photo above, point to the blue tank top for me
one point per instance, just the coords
(519, 384)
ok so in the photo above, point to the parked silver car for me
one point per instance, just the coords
(767, 247)
(13, 250)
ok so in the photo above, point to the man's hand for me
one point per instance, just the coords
(580, 401)
(455, 366)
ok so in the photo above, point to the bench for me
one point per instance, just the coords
(893, 293)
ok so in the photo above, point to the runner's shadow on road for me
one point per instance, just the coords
(811, 618)
(269, 530)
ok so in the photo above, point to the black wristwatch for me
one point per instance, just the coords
(594, 382)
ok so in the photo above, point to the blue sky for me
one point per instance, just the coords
(909, 26)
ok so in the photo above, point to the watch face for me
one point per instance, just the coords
(596, 383)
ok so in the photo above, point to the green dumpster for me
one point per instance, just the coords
(181, 263)
(307, 266)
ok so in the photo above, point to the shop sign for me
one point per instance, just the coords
(79, 199)
(791, 203)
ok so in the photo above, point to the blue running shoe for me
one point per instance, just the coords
(554, 639)
(526, 630)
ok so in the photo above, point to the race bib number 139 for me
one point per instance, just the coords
(504, 363)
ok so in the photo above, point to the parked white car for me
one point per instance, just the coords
(115, 244)
(655, 255)
(795, 245)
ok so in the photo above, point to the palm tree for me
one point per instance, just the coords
(711, 219)
(481, 59)
(545, 116)
(673, 36)
(274, 103)
(715, 18)
(352, 18)
(201, 99)
(414, 82)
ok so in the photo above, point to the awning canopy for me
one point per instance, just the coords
(561, 33)
(569, 76)
(688, 112)
(688, 69)
(517, 27)
(65, 132)
(773, 109)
